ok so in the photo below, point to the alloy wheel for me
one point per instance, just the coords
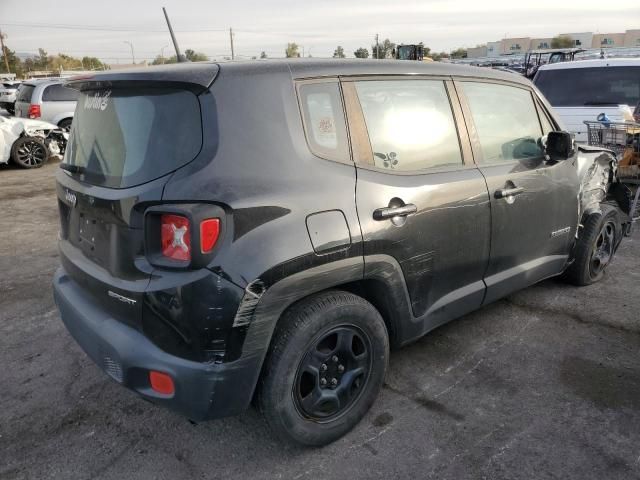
(603, 249)
(32, 154)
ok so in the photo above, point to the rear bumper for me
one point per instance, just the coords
(202, 390)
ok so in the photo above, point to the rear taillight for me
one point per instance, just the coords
(185, 235)
(34, 111)
(175, 237)
(209, 232)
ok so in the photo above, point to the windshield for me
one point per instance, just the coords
(125, 137)
(578, 87)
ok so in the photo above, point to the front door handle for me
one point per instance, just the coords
(509, 192)
(390, 212)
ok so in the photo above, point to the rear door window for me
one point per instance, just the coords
(410, 124)
(59, 93)
(24, 94)
(506, 121)
(583, 87)
(324, 123)
(125, 137)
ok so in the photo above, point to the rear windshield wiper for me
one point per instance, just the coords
(601, 103)
(72, 168)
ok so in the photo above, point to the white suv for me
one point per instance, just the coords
(582, 90)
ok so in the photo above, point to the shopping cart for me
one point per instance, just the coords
(623, 138)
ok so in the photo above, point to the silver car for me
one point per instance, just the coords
(8, 95)
(48, 100)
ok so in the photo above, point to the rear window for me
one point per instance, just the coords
(122, 137)
(59, 93)
(583, 87)
(24, 94)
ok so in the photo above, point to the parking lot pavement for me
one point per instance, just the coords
(543, 384)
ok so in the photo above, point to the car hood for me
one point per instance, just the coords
(25, 124)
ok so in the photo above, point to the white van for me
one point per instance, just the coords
(582, 90)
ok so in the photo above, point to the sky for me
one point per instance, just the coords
(101, 28)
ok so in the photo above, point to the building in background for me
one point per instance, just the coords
(477, 52)
(580, 39)
(608, 40)
(515, 45)
(632, 38)
(494, 49)
(540, 43)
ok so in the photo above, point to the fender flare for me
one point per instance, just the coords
(260, 308)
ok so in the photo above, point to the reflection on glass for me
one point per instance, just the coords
(410, 124)
(506, 121)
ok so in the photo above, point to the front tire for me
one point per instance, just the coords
(29, 152)
(596, 245)
(325, 368)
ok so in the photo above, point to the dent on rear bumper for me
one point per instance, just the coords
(202, 390)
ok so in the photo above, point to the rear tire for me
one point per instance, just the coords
(596, 245)
(11, 110)
(29, 152)
(325, 368)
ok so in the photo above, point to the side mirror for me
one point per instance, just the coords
(559, 146)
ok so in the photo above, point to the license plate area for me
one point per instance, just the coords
(87, 231)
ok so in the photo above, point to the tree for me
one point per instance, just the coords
(15, 65)
(426, 50)
(160, 60)
(42, 60)
(339, 52)
(292, 50)
(361, 53)
(439, 56)
(193, 56)
(263, 54)
(385, 49)
(459, 53)
(562, 41)
(92, 63)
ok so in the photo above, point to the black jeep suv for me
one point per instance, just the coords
(267, 230)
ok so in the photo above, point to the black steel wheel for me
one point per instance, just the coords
(332, 373)
(325, 367)
(29, 152)
(598, 239)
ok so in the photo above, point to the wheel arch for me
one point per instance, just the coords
(383, 287)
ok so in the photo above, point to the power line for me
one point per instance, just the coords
(105, 28)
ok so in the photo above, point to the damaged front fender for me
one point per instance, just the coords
(597, 172)
(11, 129)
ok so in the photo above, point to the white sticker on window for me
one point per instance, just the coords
(99, 101)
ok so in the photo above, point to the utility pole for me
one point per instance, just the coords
(231, 38)
(133, 57)
(4, 52)
(179, 56)
(162, 53)
(377, 48)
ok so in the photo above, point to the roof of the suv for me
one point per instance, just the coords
(597, 63)
(307, 68)
(43, 81)
(203, 73)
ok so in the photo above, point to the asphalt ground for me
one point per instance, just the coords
(543, 384)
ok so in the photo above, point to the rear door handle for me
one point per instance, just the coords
(390, 212)
(509, 192)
